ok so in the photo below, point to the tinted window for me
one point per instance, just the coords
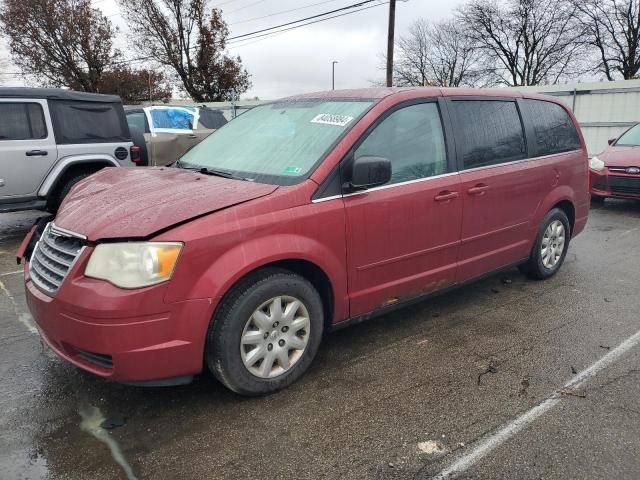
(22, 121)
(412, 139)
(489, 132)
(138, 120)
(88, 122)
(213, 119)
(554, 131)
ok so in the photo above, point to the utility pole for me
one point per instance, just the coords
(390, 39)
(333, 74)
(150, 97)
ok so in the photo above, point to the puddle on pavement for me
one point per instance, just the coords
(92, 418)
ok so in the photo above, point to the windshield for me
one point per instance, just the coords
(630, 138)
(276, 143)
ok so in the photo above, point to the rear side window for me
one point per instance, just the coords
(489, 132)
(22, 121)
(138, 120)
(212, 119)
(554, 132)
(412, 139)
(88, 122)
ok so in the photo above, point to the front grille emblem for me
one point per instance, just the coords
(633, 170)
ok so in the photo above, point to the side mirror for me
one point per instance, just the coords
(368, 172)
(611, 141)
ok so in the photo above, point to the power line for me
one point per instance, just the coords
(281, 12)
(247, 6)
(259, 38)
(250, 34)
(348, 7)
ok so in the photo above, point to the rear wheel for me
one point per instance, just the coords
(550, 247)
(265, 332)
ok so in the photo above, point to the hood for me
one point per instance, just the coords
(621, 156)
(137, 202)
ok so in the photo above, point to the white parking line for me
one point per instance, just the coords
(23, 318)
(494, 440)
(6, 274)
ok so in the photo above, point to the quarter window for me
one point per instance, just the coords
(22, 121)
(138, 120)
(412, 139)
(553, 129)
(490, 132)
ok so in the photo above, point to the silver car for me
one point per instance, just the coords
(50, 139)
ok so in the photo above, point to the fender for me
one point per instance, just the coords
(63, 165)
(557, 195)
(235, 263)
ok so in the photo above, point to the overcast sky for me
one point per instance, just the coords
(300, 60)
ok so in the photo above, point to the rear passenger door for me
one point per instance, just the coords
(27, 146)
(500, 187)
(403, 236)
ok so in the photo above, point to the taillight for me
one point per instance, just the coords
(135, 154)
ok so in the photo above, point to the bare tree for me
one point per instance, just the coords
(525, 42)
(63, 42)
(613, 31)
(185, 36)
(436, 54)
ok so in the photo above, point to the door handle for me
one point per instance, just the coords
(35, 153)
(479, 189)
(445, 196)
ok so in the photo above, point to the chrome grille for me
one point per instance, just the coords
(53, 257)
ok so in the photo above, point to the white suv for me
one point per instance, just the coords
(50, 139)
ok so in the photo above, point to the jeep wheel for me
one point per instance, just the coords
(61, 191)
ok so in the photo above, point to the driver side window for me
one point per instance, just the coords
(413, 141)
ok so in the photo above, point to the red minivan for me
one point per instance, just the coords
(298, 217)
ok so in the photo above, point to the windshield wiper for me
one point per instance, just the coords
(222, 173)
(210, 171)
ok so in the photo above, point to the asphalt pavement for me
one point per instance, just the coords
(506, 378)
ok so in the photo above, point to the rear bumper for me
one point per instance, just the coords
(160, 342)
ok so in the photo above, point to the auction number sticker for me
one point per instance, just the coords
(331, 119)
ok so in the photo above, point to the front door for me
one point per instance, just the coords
(27, 147)
(403, 237)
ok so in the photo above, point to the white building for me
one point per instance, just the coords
(604, 109)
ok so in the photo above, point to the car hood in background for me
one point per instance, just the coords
(621, 156)
(138, 202)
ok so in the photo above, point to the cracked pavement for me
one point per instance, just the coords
(395, 398)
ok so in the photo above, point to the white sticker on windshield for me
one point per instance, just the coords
(331, 119)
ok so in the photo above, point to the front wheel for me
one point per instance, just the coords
(265, 333)
(550, 247)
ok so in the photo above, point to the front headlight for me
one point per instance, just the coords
(133, 264)
(596, 164)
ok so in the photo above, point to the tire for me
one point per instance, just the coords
(539, 266)
(61, 191)
(248, 311)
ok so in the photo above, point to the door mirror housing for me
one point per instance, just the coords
(368, 172)
(611, 141)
